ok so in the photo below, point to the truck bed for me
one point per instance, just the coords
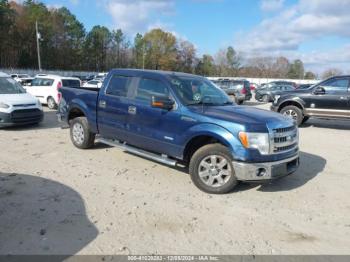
(84, 99)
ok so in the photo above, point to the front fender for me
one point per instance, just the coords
(219, 133)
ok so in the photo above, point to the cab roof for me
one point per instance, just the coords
(140, 72)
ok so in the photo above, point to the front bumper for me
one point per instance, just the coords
(265, 171)
(21, 117)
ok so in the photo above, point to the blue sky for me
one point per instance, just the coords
(317, 31)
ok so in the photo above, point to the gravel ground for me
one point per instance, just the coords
(56, 199)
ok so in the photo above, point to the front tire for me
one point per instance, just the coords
(80, 133)
(293, 112)
(211, 169)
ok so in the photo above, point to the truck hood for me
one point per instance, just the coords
(15, 99)
(253, 119)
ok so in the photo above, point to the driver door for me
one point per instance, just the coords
(331, 96)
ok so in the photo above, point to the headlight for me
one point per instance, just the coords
(3, 105)
(259, 141)
(277, 97)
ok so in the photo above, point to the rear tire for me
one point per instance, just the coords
(294, 112)
(211, 169)
(51, 103)
(80, 133)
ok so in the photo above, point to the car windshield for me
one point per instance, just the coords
(10, 86)
(196, 91)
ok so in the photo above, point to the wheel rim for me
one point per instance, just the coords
(51, 103)
(78, 133)
(291, 113)
(214, 171)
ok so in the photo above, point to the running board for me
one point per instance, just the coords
(164, 159)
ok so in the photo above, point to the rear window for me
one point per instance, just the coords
(70, 83)
(118, 86)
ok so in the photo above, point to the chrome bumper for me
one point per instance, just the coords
(265, 171)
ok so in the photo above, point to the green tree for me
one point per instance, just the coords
(233, 60)
(95, 48)
(186, 54)
(206, 66)
(138, 51)
(7, 17)
(160, 48)
(118, 38)
(296, 70)
(310, 75)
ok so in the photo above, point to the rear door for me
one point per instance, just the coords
(41, 88)
(112, 107)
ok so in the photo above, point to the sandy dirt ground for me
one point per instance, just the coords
(56, 199)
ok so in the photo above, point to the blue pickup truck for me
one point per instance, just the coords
(177, 118)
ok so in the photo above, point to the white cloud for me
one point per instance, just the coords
(271, 5)
(138, 15)
(307, 20)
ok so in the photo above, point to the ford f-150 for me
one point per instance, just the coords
(177, 118)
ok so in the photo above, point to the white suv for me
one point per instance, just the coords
(46, 88)
(16, 106)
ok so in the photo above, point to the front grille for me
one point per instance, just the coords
(284, 139)
(26, 116)
(23, 105)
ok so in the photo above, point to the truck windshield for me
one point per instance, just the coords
(196, 91)
(10, 86)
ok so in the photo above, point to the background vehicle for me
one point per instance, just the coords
(328, 99)
(304, 86)
(268, 94)
(180, 118)
(93, 84)
(18, 77)
(46, 88)
(238, 90)
(16, 106)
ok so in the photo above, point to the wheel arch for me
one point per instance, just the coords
(291, 103)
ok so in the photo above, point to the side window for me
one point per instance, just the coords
(118, 86)
(333, 86)
(149, 87)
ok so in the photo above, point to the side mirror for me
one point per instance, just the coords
(320, 91)
(162, 102)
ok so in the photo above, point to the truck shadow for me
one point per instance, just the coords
(310, 166)
(42, 217)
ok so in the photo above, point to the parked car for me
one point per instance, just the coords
(26, 81)
(46, 88)
(328, 99)
(18, 77)
(16, 106)
(267, 95)
(238, 90)
(93, 83)
(181, 118)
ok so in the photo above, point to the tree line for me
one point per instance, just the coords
(66, 45)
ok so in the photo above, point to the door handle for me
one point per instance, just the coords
(132, 110)
(102, 104)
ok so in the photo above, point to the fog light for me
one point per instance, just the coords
(261, 172)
